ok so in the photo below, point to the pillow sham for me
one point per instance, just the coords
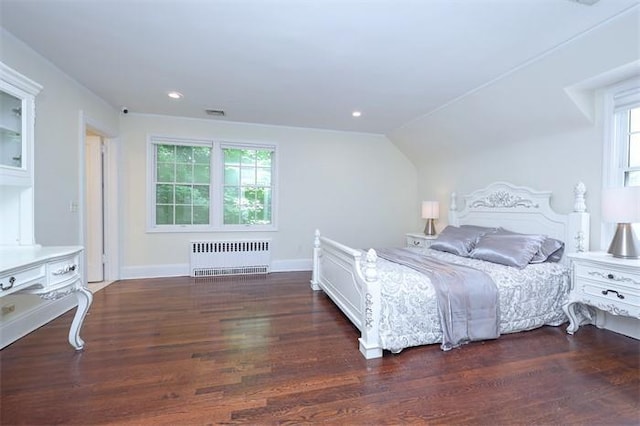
(459, 240)
(508, 249)
(550, 251)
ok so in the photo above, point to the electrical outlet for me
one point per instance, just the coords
(7, 309)
(73, 206)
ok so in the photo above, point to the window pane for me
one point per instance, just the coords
(200, 215)
(184, 154)
(183, 194)
(166, 153)
(231, 175)
(248, 176)
(164, 215)
(231, 206)
(165, 172)
(201, 154)
(632, 178)
(164, 194)
(232, 156)
(248, 157)
(183, 215)
(184, 173)
(264, 158)
(634, 150)
(200, 195)
(634, 120)
(201, 173)
(264, 177)
(262, 206)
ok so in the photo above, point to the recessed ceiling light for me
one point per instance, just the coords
(175, 95)
(356, 113)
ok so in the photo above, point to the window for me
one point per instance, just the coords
(630, 135)
(208, 186)
(622, 145)
(621, 156)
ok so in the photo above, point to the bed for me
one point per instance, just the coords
(394, 306)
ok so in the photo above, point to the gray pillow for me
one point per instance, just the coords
(460, 240)
(550, 251)
(515, 250)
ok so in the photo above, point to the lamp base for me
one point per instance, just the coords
(624, 245)
(430, 228)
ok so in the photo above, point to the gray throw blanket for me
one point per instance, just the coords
(467, 298)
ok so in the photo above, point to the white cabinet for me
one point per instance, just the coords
(612, 285)
(17, 117)
(49, 272)
(17, 122)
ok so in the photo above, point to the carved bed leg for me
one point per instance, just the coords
(568, 309)
(85, 297)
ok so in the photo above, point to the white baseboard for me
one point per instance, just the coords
(34, 318)
(182, 269)
(624, 325)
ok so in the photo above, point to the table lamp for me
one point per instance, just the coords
(431, 212)
(622, 206)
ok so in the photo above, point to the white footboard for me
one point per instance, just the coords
(355, 290)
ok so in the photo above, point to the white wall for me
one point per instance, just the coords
(57, 132)
(57, 171)
(358, 188)
(524, 127)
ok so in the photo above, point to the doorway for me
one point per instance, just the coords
(94, 206)
(99, 225)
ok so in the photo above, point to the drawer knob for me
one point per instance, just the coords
(12, 281)
(619, 295)
(610, 276)
(416, 243)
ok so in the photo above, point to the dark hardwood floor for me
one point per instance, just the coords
(268, 350)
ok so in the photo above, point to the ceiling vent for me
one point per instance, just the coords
(215, 112)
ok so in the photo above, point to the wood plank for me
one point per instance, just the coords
(269, 350)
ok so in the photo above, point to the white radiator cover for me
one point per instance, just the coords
(230, 257)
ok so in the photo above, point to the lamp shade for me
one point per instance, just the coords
(430, 210)
(621, 205)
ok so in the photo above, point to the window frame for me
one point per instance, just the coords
(216, 208)
(618, 98)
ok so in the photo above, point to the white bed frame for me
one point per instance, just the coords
(356, 290)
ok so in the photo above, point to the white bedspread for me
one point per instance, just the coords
(529, 298)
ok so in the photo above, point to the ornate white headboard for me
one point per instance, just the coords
(525, 210)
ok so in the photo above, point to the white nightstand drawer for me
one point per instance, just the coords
(419, 240)
(607, 275)
(620, 295)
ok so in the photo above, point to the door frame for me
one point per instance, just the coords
(110, 195)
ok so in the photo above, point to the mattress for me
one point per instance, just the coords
(529, 298)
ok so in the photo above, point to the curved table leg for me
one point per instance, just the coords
(85, 297)
(573, 320)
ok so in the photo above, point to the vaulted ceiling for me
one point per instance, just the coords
(305, 63)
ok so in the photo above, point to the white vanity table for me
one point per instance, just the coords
(26, 267)
(49, 272)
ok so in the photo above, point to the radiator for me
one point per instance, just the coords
(239, 257)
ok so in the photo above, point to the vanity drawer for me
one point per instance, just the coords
(63, 269)
(18, 280)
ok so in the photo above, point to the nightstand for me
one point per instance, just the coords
(420, 240)
(604, 282)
